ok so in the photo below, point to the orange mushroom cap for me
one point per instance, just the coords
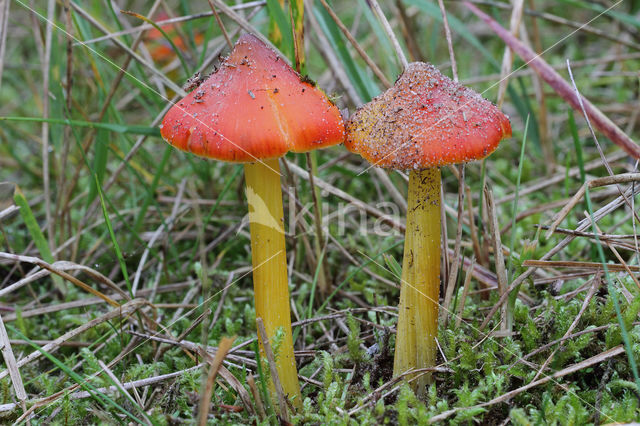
(426, 120)
(254, 107)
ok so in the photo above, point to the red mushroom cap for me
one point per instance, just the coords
(426, 120)
(254, 107)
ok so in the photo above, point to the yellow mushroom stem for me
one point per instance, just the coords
(270, 280)
(420, 286)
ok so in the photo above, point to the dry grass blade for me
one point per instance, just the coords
(256, 396)
(347, 197)
(465, 292)
(376, 70)
(594, 266)
(41, 263)
(447, 33)
(214, 367)
(583, 225)
(453, 273)
(62, 265)
(221, 25)
(592, 183)
(85, 394)
(46, 181)
(501, 272)
(12, 366)
(507, 58)
(4, 19)
(564, 89)
(122, 311)
(377, 10)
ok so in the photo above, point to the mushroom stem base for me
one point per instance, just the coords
(268, 255)
(420, 285)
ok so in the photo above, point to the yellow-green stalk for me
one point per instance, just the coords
(268, 254)
(420, 287)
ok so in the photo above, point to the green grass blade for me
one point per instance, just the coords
(36, 234)
(118, 128)
(364, 86)
(282, 21)
(112, 235)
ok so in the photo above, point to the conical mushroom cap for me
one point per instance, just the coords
(426, 120)
(254, 107)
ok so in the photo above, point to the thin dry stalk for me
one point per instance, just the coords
(408, 31)
(375, 7)
(595, 140)
(205, 396)
(282, 399)
(4, 19)
(243, 23)
(453, 272)
(256, 397)
(221, 25)
(583, 225)
(501, 272)
(324, 280)
(507, 57)
(120, 387)
(465, 292)
(41, 263)
(12, 366)
(122, 311)
(592, 183)
(594, 266)
(541, 99)
(393, 191)
(447, 33)
(370, 63)
(335, 64)
(46, 183)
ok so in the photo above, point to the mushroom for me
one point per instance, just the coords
(253, 110)
(423, 122)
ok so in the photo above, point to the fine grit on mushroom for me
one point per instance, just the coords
(424, 121)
